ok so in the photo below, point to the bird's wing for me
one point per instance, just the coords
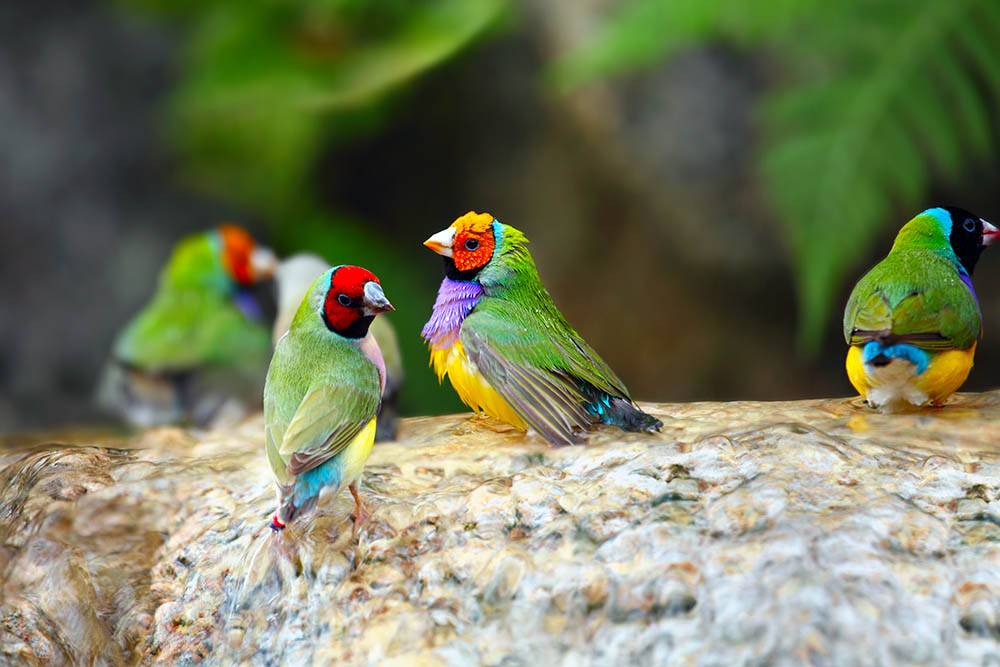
(539, 369)
(325, 422)
(933, 310)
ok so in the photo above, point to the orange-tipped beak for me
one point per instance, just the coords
(441, 242)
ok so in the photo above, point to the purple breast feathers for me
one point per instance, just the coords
(454, 301)
(968, 283)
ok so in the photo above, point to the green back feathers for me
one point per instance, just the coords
(917, 294)
(321, 390)
(184, 329)
(511, 269)
(192, 319)
(524, 323)
(926, 232)
(197, 263)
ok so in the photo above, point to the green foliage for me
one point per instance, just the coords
(268, 85)
(642, 32)
(876, 96)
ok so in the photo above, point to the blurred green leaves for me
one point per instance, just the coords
(875, 98)
(642, 32)
(267, 85)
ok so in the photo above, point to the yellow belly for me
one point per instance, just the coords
(946, 372)
(471, 386)
(355, 455)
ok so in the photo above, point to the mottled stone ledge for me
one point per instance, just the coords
(764, 533)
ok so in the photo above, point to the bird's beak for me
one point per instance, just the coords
(990, 233)
(441, 242)
(375, 301)
(263, 263)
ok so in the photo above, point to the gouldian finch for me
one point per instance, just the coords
(202, 338)
(913, 321)
(507, 349)
(322, 392)
(293, 278)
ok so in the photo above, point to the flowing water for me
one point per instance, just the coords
(814, 532)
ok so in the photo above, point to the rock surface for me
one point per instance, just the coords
(811, 532)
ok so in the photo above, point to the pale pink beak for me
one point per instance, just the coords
(990, 233)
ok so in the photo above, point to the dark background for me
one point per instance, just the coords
(640, 193)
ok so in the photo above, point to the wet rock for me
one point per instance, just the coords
(773, 533)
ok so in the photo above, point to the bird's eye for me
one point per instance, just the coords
(471, 244)
(344, 300)
(969, 225)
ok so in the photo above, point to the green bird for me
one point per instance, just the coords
(202, 339)
(507, 349)
(293, 278)
(322, 392)
(913, 321)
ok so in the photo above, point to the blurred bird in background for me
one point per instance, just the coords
(294, 277)
(913, 321)
(323, 390)
(198, 351)
(507, 349)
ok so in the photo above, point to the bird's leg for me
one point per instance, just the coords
(359, 512)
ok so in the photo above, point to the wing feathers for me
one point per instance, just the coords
(912, 297)
(545, 398)
(322, 425)
(301, 461)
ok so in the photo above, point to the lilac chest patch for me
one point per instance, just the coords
(455, 299)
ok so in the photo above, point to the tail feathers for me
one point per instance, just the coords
(626, 416)
(299, 497)
(621, 412)
(288, 510)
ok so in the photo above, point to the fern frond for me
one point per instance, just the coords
(877, 96)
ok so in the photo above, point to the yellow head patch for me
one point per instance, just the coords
(474, 223)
